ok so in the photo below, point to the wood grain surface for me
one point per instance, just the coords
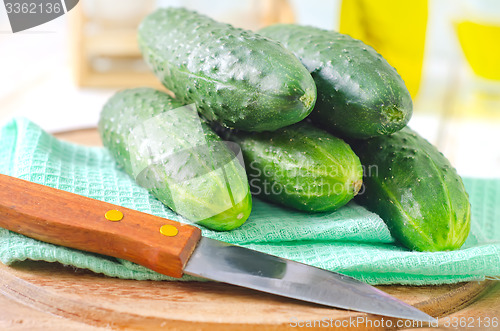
(83, 297)
(49, 296)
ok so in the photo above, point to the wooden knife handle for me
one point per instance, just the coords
(75, 221)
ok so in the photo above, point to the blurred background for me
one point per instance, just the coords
(60, 74)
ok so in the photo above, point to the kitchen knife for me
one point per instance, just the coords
(173, 248)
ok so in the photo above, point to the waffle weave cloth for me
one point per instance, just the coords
(351, 240)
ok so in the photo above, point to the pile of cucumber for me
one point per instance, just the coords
(316, 119)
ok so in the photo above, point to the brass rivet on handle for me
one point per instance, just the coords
(169, 230)
(114, 215)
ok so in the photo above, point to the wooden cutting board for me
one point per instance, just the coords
(41, 296)
(86, 299)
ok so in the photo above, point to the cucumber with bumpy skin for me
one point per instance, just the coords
(415, 190)
(176, 156)
(300, 166)
(235, 77)
(360, 95)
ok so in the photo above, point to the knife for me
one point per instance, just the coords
(172, 248)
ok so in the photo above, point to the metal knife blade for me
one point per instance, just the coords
(216, 260)
(172, 248)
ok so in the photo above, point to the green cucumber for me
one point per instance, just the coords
(300, 166)
(176, 156)
(415, 190)
(360, 95)
(234, 77)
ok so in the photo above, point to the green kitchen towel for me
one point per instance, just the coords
(351, 240)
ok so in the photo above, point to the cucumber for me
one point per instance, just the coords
(177, 157)
(234, 77)
(415, 190)
(300, 166)
(360, 95)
